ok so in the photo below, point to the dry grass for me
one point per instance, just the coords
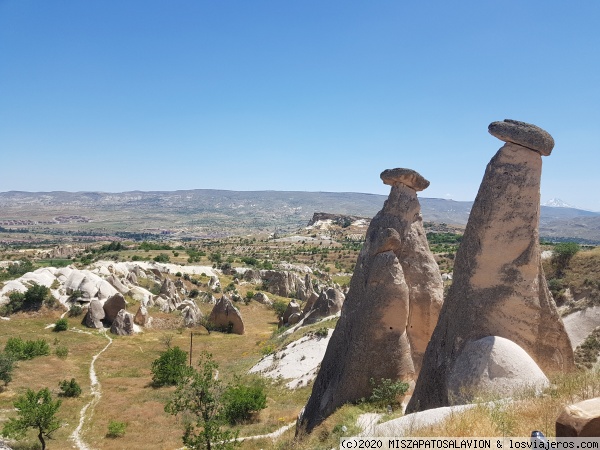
(124, 374)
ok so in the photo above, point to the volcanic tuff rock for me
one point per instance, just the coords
(142, 317)
(225, 315)
(123, 324)
(261, 297)
(581, 419)
(293, 307)
(113, 305)
(328, 303)
(524, 134)
(286, 284)
(95, 314)
(391, 308)
(190, 312)
(499, 288)
(496, 366)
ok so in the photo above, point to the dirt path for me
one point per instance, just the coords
(96, 395)
(275, 434)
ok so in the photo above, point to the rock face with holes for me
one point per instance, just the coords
(499, 288)
(391, 307)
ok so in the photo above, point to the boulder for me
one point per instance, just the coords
(123, 324)
(261, 297)
(292, 308)
(407, 177)
(116, 283)
(224, 315)
(112, 306)
(252, 276)
(161, 303)
(132, 278)
(294, 319)
(498, 287)
(581, 419)
(190, 312)
(207, 297)
(94, 316)
(139, 294)
(142, 317)
(393, 303)
(105, 290)
(214, 283)
(328, 303)
(493, 366)
(285, 284)
(524, 134)
(168, 288)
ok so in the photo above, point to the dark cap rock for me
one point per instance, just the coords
(524, 134)
(407, 177)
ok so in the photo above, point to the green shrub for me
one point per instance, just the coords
(32, 299)
(77, 294)
(69, 388)
(61, 325)
(170, 367)
(250, 295)
(62, 351)
(116, 429)
(194, 293)
(242, 401)
(322, 332)
(280, 306)
(75, 311)
(562, 255)
(162, 258)
(21, 350)
(7, 365)
(386, 392)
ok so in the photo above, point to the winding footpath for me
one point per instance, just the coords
(96, 395)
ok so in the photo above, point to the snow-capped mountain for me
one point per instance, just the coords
(557, 203)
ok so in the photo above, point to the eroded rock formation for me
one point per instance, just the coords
(391, 308)
(499, 287)
(226, 316)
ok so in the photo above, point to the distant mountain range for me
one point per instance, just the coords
(558, 203)
(206, 212)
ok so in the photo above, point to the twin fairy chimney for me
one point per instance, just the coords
(499, 291)
(498, 329)
(391, 308)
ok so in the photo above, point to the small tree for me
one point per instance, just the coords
(69, 388)
(116, 429)
(562, 255)
(199, 397)
(61, 325)
(387, 392)
(170, 367)
(7, 365)
(243, 400)
(35, 410)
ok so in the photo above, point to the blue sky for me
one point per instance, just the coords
(293, 95)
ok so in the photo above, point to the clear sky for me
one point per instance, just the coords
(312, 95)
